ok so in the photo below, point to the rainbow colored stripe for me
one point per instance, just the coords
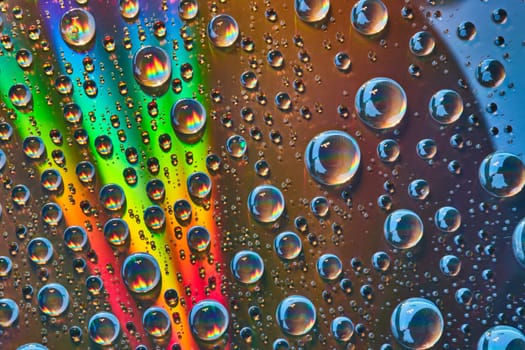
(109, 169)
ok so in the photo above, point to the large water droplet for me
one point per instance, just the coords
(312, 11)
(381, 103)
(151, 66)
(140, 272)
(77, 27)
(501, 338)
(446, 106)
(53, 299)
(490, 72)
(502, 174)
(403, 229)
(208, 320)
(223, 30)
(247, 267)
(129, 9)
(156, 322)
(288, 245)
(417, 324)
(332, 157)
(296, 315)
(369, 17)
(103, 328)
(266, 203)
(518, 243)
(8, 312)
(188, 117)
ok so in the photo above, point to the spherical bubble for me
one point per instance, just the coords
(155, 190)
(342, 328)
(418, 189)
(312, 11)
(381, 261)
(34, 147)
(53, 299)
(188, 117)
(445, 106)
(381, 103)
(32, 346)
(103, 328)
(223, 30)
(369, 17)
(288, 245)
(518, 243)
(154, 218)
(50, 179)
(426, 149)
(466, 30)
(75, 238)
(112, 197)
(447, 219)
(266, 203)
(403, 229)
(247, 267)
(156, 322)
(40, 250)
(236, 146)
(501, 338)
(85, 171)
(77, 27)
(20, 195)
(422, 44)
(329, 267)
(8, 312)
(20, 95)
(116, 231)
(188, 9)
(320, 206)
(332, 157)
(198, 239)
(129, 9)
(151, 66)
(94, 285)
(342, 61)
(140, 272)
(463, 296)
(450, 265)
(417, 323)
(490, 73)
(199, 185)
(502, 174)
(208, 320)
(296, 315)
(6, 265)
(388, 150)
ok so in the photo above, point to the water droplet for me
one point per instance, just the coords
(151, 66)
(94, 285)
(236, 146)
(141, 273)
(24, 58)
(329, 267)
(296, 315)
(312, 11)
(40, 250)
(447, 219)
(198, 239)
(116, 231)
(6, 265)
(85, 171)
(418, 189)
(8, 312)
(466, 30)
(518, 243)
(249, 80)
(104, 146)
(369, 17)
(388, 150)
(342, 61)
(502, 174)
(50, 179)
(20, 195)
(342, 328)
(332, 157)
(288, 245)
(381, 261)
(155, 190)
(320, 206)
(75, 238)
(426, 149)
(422, 44)
(112, 197)
(34, 147)
(223, 30)
(129, 9)
(156, 322)
(450, 265)
(446, 106)
(182, 210)
(188, 9)
(417, 324)
(72, 113)
(154, 218)
(208, 320)
(501, 337)
(275, 58)
(490, 73)
(199, 185)
(103, 328)
(403, 229)
(247, 267)
(77, 27)
(266, 203)
(32, 346)
(381, 103)
(20, 95)
(53, 299)
(188, 117)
